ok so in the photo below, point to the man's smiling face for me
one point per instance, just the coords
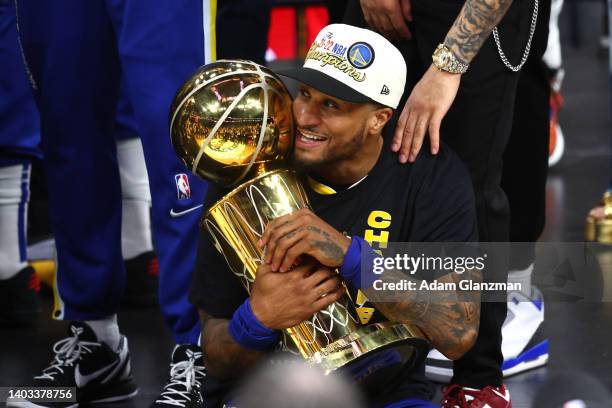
(328, 130)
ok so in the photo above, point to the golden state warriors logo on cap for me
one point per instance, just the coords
(347, 55)
(360, 55)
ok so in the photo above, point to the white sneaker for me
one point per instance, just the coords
(523, 346)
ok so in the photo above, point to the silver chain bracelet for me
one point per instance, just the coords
(534, 19)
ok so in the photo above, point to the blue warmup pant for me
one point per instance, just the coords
(19, 131)
(19, 121)
(125, 122)
(19, 144)
(78, 51)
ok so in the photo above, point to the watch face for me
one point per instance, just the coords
(441, 57)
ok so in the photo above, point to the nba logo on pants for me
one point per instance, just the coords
(182, 186)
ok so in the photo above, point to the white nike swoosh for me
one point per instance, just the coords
(175, 214)
(82, 380)
(123, 355)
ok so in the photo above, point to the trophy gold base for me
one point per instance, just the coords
(367, 340)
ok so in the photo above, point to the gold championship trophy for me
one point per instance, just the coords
(231, 123)
(599, 228)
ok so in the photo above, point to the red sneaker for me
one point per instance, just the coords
(456, 396)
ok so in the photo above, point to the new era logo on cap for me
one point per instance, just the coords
(364, 65)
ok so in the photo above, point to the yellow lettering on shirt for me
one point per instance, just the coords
(379, 219)
(378, 238)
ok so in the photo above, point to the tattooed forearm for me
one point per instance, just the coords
(448, 319)
(224, 358)
(473, 26)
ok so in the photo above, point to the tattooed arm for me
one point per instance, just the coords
(224, 357)
(434, 94)
(448, 319)
(473, 26)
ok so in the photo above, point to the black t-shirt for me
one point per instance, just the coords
(428, 201)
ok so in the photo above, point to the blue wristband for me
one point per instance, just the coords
(249, 332)
(359, 257)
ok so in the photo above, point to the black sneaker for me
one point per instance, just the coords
(98, 373)
(141, 283)
(19, 301)
(186, 377)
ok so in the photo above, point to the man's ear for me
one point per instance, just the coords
(379, 118)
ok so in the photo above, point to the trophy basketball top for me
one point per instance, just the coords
(231, 120)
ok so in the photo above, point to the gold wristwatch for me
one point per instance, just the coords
(444, 59)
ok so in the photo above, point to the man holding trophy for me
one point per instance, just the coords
(352, 197)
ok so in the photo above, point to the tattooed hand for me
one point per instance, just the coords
(302, 233)
(282, 300)
(434, 94)
(278, 301)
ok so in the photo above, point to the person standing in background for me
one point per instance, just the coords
(154, 55)
(78, 53)
(463, 91)
(19, 140)
(524, 172)
(20, 146)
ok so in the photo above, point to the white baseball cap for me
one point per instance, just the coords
(353, 64)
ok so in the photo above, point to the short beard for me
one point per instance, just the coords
(333, 156)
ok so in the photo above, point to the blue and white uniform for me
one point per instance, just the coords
(78, 52)
(19, 144)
